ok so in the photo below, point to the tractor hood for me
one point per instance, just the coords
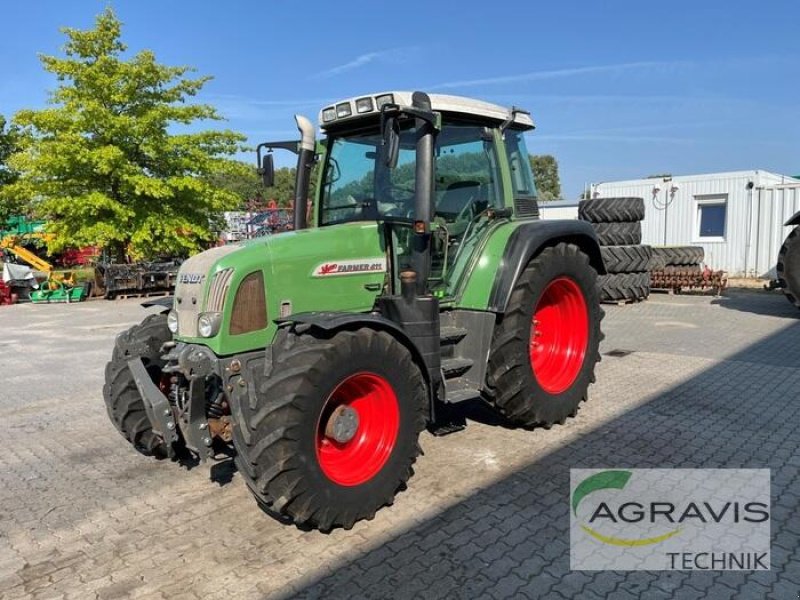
(337, 268)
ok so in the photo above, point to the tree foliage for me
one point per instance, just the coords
(110, 162)
(9, 141)
(253, 196)
(545, 173)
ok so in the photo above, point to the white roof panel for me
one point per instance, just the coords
(439, 103)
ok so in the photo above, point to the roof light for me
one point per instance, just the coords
(343, 110)
(328, 114)
(385, 99)
(364, 105)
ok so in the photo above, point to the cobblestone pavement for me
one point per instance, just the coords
(708, 383)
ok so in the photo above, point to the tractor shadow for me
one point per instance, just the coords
(760, 302)
(223, 468)
(222, 473)
(513, 535)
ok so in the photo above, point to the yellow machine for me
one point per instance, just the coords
(11, 243)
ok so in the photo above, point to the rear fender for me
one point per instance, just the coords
(795, 220)
(527, 241)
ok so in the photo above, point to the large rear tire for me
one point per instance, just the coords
(611, 210)
(545, 348)
(626, 259)
(332, 433)
(788, 267)
(618, 234)
(123, 401)
(621, 287)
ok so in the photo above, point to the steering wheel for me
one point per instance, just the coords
(462, 214)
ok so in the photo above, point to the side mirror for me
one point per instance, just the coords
(267, 170)
(334, 173)
(391, 141)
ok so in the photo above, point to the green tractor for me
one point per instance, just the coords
(319, 355)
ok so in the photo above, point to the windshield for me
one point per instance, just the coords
(358, 186)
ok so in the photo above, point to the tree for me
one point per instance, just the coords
(9, 141)
(545, 173)
(246, 184)
(109, 162)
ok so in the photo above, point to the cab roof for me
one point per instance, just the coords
(362, 106)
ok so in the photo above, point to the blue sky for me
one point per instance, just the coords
(618, 89)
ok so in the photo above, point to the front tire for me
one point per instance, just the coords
(545, 348)
(123, 402)
(330, 432)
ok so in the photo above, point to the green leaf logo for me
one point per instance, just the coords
(610, 480)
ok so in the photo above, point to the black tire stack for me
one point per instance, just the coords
(672, 258)
(618, 225)
(675, 267)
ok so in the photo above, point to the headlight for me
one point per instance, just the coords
(329, 114)
(208, 324)
(364, 105)
(385, 99)
(172, 321)
(343, 110)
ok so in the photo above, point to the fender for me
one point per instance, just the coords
(795, 220)
(531, 238)
(334, 321)
(166, 303)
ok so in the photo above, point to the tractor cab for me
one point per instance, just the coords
(470, 157)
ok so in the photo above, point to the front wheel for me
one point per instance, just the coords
(545, 348)
(331, 430)
(124, 404)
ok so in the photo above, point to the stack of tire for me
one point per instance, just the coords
(618, 225)
(673, 260)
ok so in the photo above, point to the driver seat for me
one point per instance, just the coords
(453, 200)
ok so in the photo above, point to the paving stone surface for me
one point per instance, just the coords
(706, 383)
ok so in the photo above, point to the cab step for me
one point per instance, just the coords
(453, 367)
(452, 335)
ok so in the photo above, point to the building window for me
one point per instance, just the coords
(711, 214)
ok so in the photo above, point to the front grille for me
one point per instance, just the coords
(218, 290)
(250, 305)
(189, 291)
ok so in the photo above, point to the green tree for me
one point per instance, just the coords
(545, 173)
(110, 161)
(246, 184)
(9, 143)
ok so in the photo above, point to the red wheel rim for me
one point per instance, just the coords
(559, 335)
(360, 458)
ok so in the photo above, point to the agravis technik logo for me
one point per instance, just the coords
(715, 519)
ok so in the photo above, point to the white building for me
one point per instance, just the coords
(737, 217)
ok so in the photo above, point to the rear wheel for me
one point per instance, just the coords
(788, 269)
(123, 402)
(546, 346)
(331, 435)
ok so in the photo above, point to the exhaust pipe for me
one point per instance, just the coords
(305, 162)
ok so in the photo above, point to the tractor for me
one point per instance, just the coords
(317, 356)
(788, 267)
